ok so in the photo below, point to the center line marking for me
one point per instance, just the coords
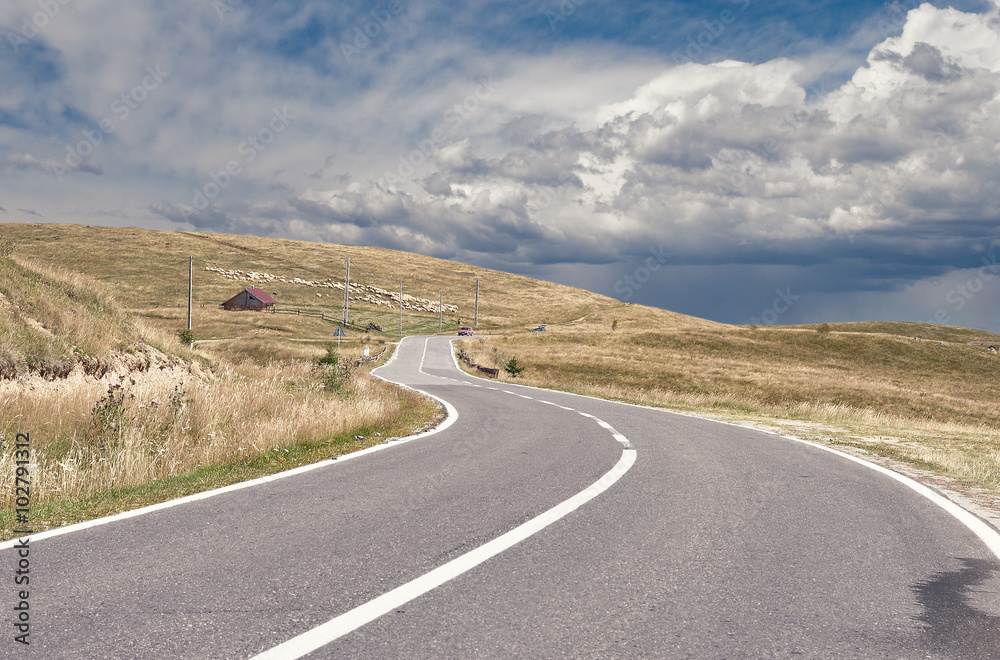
(349, 621)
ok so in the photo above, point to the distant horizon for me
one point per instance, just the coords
(781, 163)
(763, 322)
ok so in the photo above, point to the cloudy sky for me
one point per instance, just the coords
(739, 160)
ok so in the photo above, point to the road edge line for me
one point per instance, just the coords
(451, 415)
(983, 529)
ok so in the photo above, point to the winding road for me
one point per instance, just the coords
(531, 524)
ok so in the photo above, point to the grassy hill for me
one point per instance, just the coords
(48, 323)
(148, 272)
(914, 393)
(121, 413)
(911, 392)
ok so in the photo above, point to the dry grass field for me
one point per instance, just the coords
(912, 394)
(148, 273)
(121, 413)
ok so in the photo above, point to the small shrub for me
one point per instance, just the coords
(331, 357)
(614, 324)
(512, 367)
(109, 414)
(332, 371)
(823, 328)
(186, 336)
(177, 401)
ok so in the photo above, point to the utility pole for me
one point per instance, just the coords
(400, 308)
(190, 287)
(475, 323)
(441, 311)
(347, 290)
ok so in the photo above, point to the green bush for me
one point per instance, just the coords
(512, 367)
(332, 371)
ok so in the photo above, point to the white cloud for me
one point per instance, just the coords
(568, 155)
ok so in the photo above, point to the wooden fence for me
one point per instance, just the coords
(323, 315)
(464, 357)
(372, 358)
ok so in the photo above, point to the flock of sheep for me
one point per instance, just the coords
(359, 292)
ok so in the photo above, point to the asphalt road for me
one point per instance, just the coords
(537, 524)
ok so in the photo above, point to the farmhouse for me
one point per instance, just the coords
(253, 299)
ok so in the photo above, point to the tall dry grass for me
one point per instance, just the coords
(172, 422)
(49, 316)
(875, 388)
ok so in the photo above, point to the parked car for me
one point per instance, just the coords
(465, 331)
(540, 328)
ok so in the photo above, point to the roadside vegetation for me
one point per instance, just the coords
(910, 392)
(928, 403)
(121, 413)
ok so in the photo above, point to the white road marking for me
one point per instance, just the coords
(373, 609)
(984, 531)
(423, 356)
(452, 416)
(622, 439)
(986, 534)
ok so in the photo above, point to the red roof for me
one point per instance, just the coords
(260, 295)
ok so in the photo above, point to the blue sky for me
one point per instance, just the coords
(748, 162)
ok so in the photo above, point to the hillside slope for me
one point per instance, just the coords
(121, 413)
(149, 269)
(53, 321)
(920, 393)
